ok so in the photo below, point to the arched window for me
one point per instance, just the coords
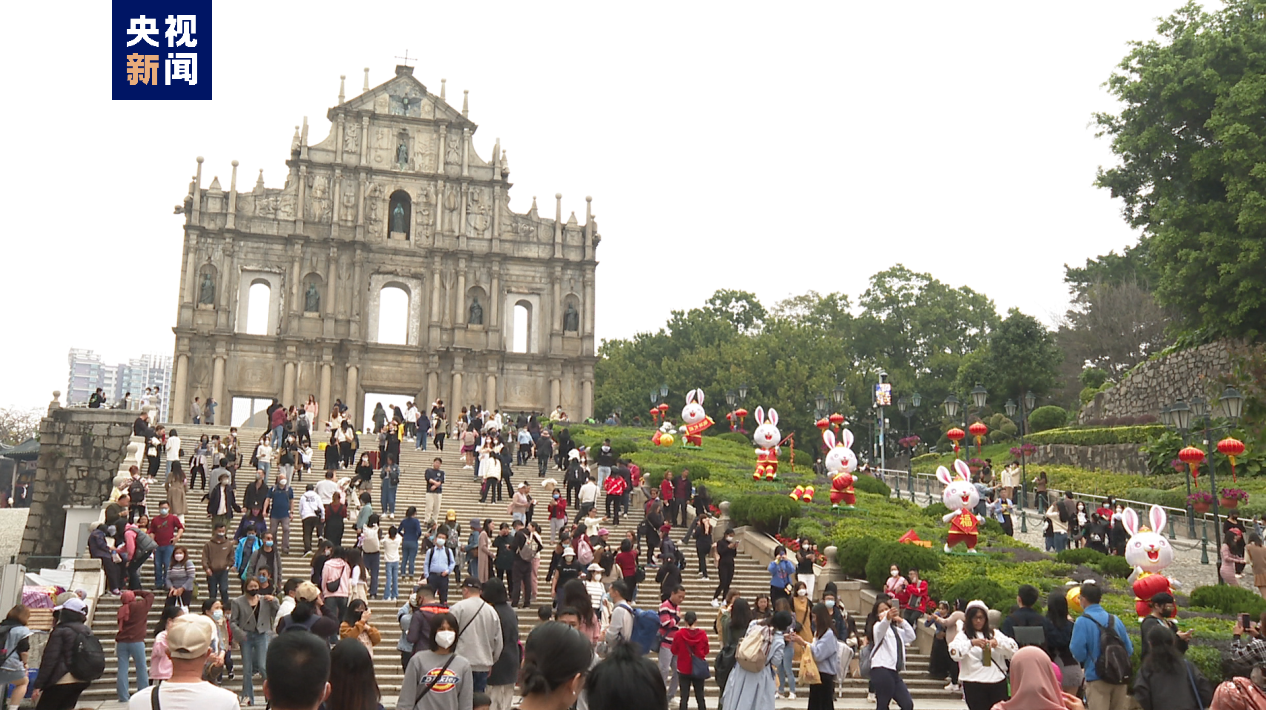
(393, 316)
(522, 327)
(257, 301)
(399, 214)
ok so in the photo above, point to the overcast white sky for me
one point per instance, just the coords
(774, 149)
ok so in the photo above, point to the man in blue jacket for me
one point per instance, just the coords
(1100, 694)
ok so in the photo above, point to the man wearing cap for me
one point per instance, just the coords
(544, 452)
(480, 641)
(307, 614)
(188, 645)
(519, 503)
(1164, 609)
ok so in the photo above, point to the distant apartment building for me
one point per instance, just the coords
(88, 372)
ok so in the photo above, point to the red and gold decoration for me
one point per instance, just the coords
(1231, 447)
(955, 435)
(1193, 457)
(978, 430)
(804, 494)
(767, 438)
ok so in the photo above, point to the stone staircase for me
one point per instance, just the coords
(461, 493)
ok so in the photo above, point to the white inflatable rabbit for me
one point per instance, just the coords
(696, 420)
(961, 498)
(1148, 552)
(767, 438)
(840, 464)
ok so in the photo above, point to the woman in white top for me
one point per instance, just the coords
(173, 449)
(888, 635)
(984, 683)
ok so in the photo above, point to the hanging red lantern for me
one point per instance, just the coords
(1193, 457)
(822, 424)
(742, 413)
(1231, 447)
(663, 407)
(955, 435)
(837, 419)
(978, 430)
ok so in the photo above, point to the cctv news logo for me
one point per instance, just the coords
(161, 50)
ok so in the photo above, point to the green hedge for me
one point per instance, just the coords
(1114, 566)
(853, 552)
(936, 510)
(735, 437)
(767, 513)
(990, 592)
(1228, 600)
(886, 554)
(1157, 496)
(1080, 556)
(1094, 436)
(870, 484)
(803, 458)
(1048, 417)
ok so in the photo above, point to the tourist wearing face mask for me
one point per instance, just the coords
(781, 571)
(1117, 535)
(222, 644)
(802, 610)
(557, 513)
(914, 598)
(278, 509)
(252, 619)
(895, 585)
(257, 492)
(181, 576)
(267, 555)
(434, 662)
(99, 547)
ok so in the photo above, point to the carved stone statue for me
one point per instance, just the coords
(476, 313)
(402, 154)
(571, 320)
(206, 294)
(397, 219)
(312, 300)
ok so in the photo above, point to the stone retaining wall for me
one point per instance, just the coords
(1117, 458)
(80, 454)
(1156, 383)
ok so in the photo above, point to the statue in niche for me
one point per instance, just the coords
(476, 313)
(312, 300)
(397, 219)
(571, 320)
(402, 154)
(206, 294)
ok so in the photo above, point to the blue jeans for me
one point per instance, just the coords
(420, 445)
(387, 497)
(480, 680)
(787, 673)
(131, 651)
(278, 431)
(1061, 542)
(162, 563)
(371, 565)
(254, 651)
(410, 550)
(392, 590)
(219, 582)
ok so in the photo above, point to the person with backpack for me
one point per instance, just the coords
(336, 583)
(138, 546)
(752, 685)
(1103, 648)
(690, 649)
(15, 636)
(1167, 680)
(1026, 625)
(73, 658)
(981, 654)
(438, 565)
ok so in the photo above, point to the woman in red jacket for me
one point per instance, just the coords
(914, 599)
(690, 643)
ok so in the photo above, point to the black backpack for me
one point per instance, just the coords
(136, 491)
(87, 658)
(1113, 663)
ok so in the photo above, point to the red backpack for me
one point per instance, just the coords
(616, 485)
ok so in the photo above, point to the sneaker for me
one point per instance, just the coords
(791, 696)
(949, 686)
(716, 603)
(870, 697)
(466, 467)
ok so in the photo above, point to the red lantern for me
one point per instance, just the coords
(1231, 447)
(955, 435)
(1193, 457)
(837, 419)
(797, 493)
(978, 430)
(742, 413)
(663, 407)
(822, 424)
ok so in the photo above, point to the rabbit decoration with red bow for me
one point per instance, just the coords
(696, 420)
(767, 438)
(840, 465)
(961, 498)
(1148, 552)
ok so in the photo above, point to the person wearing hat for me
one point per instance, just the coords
(307, 613)
(189, 640)
(544, 451)
(54, 687)
(1164, 609)
(221, 501)
(519, 503)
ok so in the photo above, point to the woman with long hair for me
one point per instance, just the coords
(1058, 643)
(625, 679)
(15, 635)
(1166, 679)
(826, 653)
(355, 625)
(1256, 554)
(353, 685)
(576, 596)
(485, 551)
(756, 690)
(434, 662)
(159, 662)
(980, 652)
(761, 608)
(556, 659)
(1230, 557)
(888, 634)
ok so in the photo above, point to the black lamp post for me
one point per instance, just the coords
(838, 394)
(819, 403)
(907, 405)
(742, 393)
(663, 392)
(729, 401)
(1169, 417)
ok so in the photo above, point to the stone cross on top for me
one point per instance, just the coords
(406, 59)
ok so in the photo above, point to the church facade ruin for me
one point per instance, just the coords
(281, 288)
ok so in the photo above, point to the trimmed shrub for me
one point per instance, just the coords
(1113, 566)
(622, 446)
(870, 484)
(1156, 496)
(1093, 436)
(853, 553)
(803, 458)
(735, 437)
(982, 588)
(806, 527)
(886, 554)
(767, 513)
(1228, 600)
(1048, 417)
(1208, 659)
(936, 510)
(1081, 556)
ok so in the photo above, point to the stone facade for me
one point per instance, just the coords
(1156, 383)
(1116, 458)
(80, 454)
(394, 197)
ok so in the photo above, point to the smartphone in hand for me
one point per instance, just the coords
(1246, 622)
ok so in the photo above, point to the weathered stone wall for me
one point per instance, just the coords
(1117, 458)
(1156, 383)
(80, 453)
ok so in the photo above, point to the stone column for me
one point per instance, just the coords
(454, 404)
(338, 137)
(586, 399)
(354, 310)
(217, 378)
(490, 393)
(556, 304)
(461, 317)
(323, 394)
(443, 154)
(586, 327)
(351, 398)
(555, 394)
(288, 385)
(435, 291)
(460, 227)
(180, 390)
(301, 198)
(231, 220)
(364, 140)
(465, 152)
(432, 390)
(494, 297)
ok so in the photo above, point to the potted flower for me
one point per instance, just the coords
(1200, 501)
(975, 464)
(1230, 498)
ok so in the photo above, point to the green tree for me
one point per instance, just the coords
(1022, 357)
(1191, 138)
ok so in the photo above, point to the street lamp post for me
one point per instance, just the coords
(907, 405)
(883, 423)
(979, 395)
(1026, 402)
(1169, 418)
